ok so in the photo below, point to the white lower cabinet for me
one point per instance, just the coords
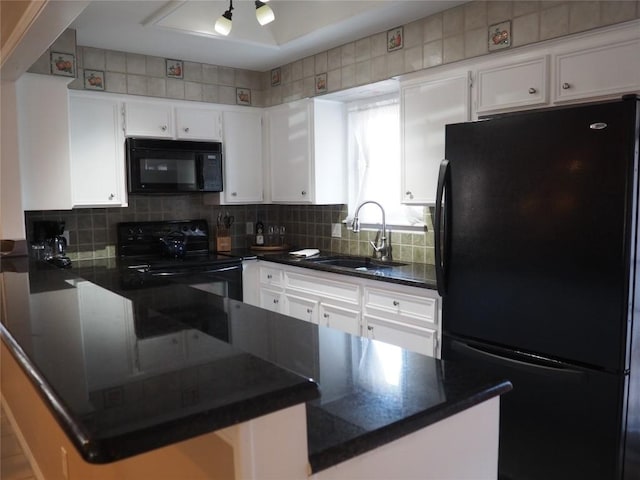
(409, 337)
(400, 315)
(271, 299)
(345, 319)
(302, 308)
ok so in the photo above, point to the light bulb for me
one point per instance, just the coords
(264, 14)
(223, 24)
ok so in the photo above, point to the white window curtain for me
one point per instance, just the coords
(374, 164)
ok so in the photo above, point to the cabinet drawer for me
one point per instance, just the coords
(513, 85)
(419, 308)
(270, 276)
(324, 287)
(343, 319)
(416, 339)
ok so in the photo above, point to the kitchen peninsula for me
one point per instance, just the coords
(103, 385)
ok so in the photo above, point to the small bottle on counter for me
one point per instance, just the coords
(259, 233)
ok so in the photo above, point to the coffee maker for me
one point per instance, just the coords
(49, 243)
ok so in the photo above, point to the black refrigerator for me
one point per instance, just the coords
(536, 262)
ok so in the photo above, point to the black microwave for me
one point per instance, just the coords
(173, 166)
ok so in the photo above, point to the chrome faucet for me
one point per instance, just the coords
(382, 250)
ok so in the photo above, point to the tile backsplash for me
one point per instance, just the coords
(92, 231)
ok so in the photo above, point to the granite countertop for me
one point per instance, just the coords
(412, 274)
(370, 393)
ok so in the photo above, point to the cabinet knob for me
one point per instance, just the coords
(234, 194)
(370, 328)
(304, 192)
(186, 129)
(396, 303)
(566, 86)
(163, 128)
(408, 193)
(269, 276)
(532, 91)
(275, 300)
(174, 341)
(326, 315)
(309, 310)
(112, 196)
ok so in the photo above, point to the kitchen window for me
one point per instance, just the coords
(374, 164)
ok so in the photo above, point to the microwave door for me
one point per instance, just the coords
(161, 172)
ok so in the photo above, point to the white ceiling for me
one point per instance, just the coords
(184, 29)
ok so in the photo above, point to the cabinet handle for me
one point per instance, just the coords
(234, 194)
(269, 276)
(326, 315)
(304, 192)
(186, 129)
(275, 300)
(163, 128)
(396, 303)
(566, 86)
(112, 196)
(532, 91)
(370, 328)
(309, 310)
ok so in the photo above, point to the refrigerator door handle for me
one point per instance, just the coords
(533, 364)
(442, 237)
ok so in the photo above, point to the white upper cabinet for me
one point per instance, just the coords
(198, 123)
(97, 150)
(425, 108)
(43, 138)
(599, 71)
(148, 119)
(307, 152)
(172, 119)
(516, 84)
(242, 157)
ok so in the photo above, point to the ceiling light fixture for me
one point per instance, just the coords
(223, 24)
(264, 14)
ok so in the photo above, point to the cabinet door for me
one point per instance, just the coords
(43, 136)
(425, 110)
(598, 71)
(242, 157)
(302, 308)
(290, 152)
(343, 319)
(420, 340)
(198, 124)
(272, 299)
(514, 85)
(97, 151)
(148, 119)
